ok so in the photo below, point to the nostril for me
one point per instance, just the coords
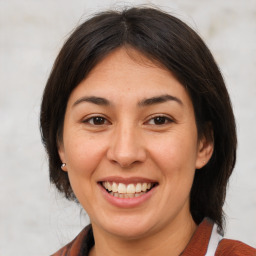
(124, 164)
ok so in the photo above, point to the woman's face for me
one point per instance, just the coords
(131, 147)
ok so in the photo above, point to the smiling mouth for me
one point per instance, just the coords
(121, 190)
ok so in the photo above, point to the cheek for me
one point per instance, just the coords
(175, 161)
(176, 152)
(83, 155)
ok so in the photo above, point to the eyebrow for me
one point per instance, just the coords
(145, 102)
(159, 99)
(92, 99)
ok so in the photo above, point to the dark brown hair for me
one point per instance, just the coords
(166, 40)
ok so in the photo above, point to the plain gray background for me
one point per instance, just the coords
(34, 219)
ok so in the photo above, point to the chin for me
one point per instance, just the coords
(130, 233)
(127, 227)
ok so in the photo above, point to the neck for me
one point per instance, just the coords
(170, 241)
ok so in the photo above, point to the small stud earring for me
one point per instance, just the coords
(63, 165)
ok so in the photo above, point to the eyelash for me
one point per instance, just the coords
(161, 119)
(94, 118)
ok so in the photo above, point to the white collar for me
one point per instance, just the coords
(214, 241)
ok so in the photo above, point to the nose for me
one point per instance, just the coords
(126, 147)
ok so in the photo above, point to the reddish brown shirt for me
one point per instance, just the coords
(197, 246)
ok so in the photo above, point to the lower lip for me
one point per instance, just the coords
(127, 202)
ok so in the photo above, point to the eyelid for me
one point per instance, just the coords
(167, 117)
(90, 117)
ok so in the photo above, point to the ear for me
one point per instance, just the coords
(205, 150)
(62, 156)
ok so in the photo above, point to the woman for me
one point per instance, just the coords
(139, 128)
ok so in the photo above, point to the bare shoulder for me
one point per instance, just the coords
(234, 248)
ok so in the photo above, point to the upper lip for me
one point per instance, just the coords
(130, 180)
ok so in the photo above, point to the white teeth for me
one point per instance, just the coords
(108, 186)
(129, 195)
(121, 188)
(138, 187)
(144, 187)
(130, 189)
(114, 187)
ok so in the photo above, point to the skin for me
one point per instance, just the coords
(128, 142)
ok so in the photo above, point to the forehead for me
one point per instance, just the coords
(125, 60)
(128, 74)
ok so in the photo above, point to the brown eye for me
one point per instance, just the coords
(159, 120)
(96, 120)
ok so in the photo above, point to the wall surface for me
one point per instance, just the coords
(34, 219)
